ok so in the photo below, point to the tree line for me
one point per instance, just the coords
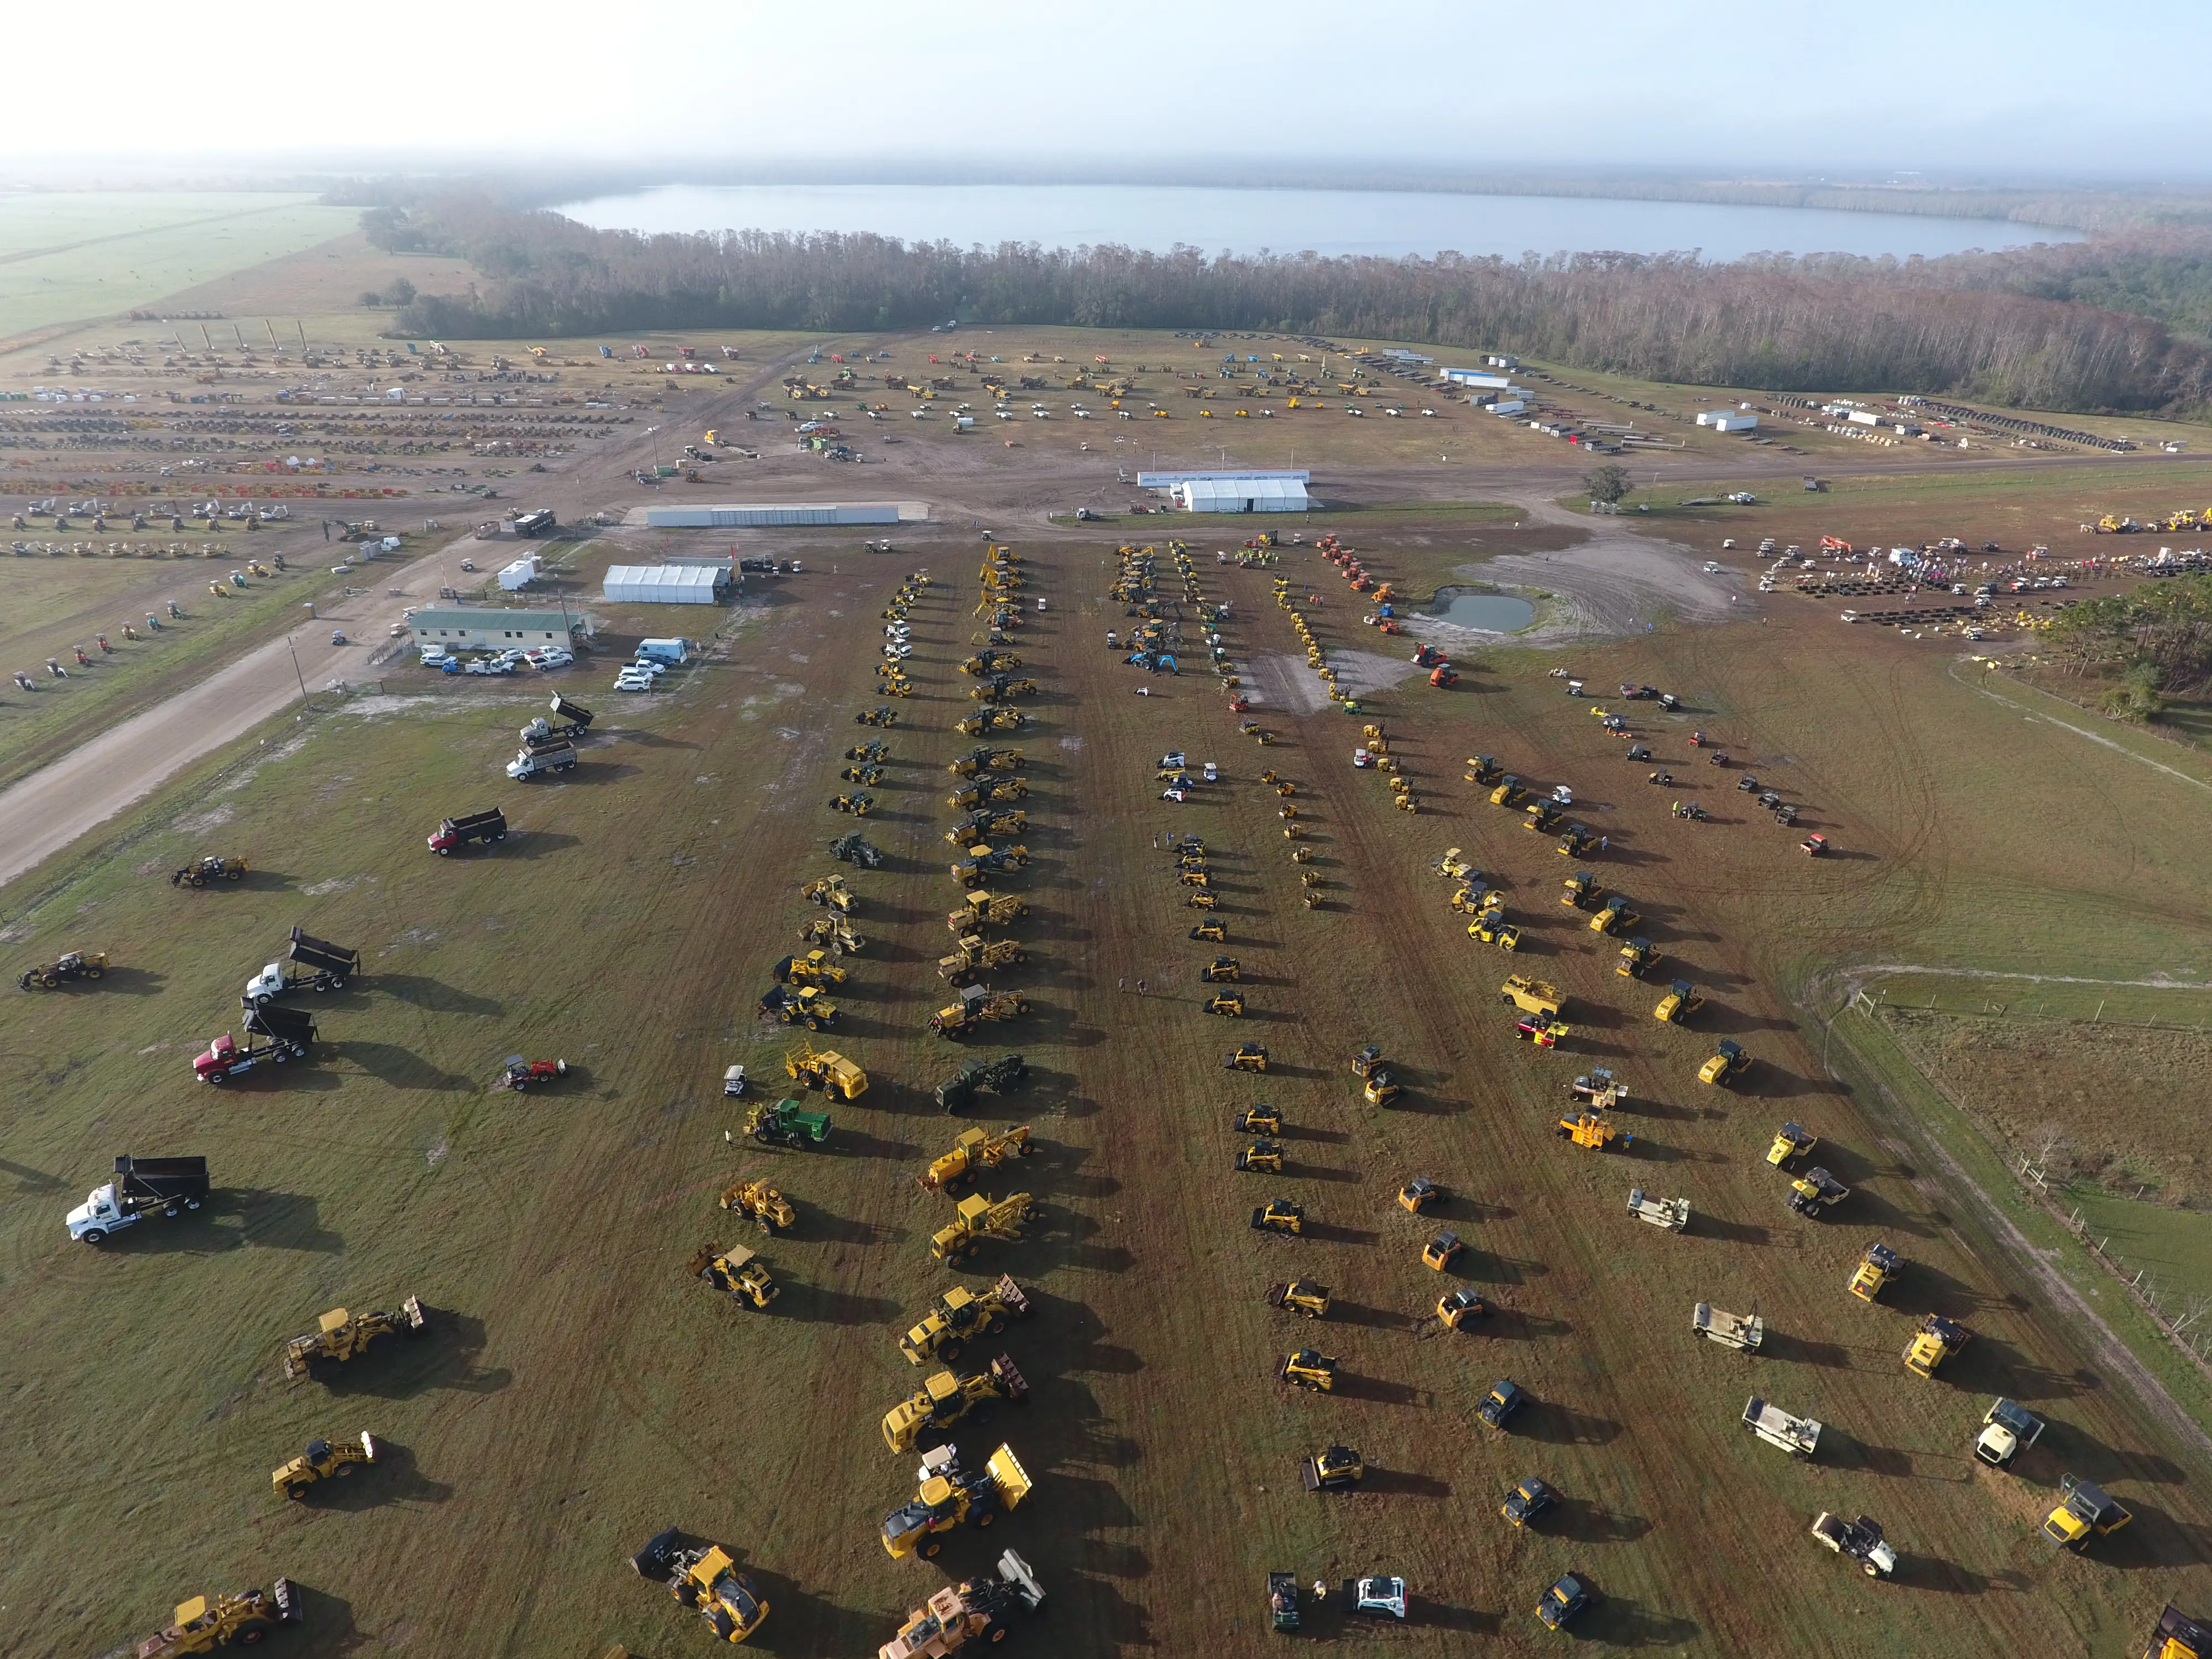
(2147, 645)
(2076, 326)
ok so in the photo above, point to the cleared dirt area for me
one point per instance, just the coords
(577, 1392)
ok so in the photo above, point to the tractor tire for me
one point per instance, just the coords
(338, 984)
(234, 875)
(986, 1517)
(246, 1635)
(997, 1632)
(50, 981)
(343, 1470)
(983, 1412)
(297, 1490)
(196, 879)
(93, 973)
(998, 1324)
(930, 1550)
(949, 1351)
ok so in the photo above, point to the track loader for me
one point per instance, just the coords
(737, 1271)
(960, 1315)
(1212, 931)
(759, 1200)
(1334, 1468)
(977, 1218)
(1222, 970)
(1229, 1004)
(208, 1622)
(973, 1150)
(705, 1577)
(324, 1460)
(945, 1399)
(1261, 1158)
(1246, 1057)
(339, 1336)
(1456, 1308)
(948, 1496)
(1307, 1297)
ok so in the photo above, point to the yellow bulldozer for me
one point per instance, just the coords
(948, 1496)
(324, 1460)
(977, 1218)
(208, 1622)
(757, 1198)
(945, 1399)
(340, 1336)
(825, 1069)
(975, 1148)
(961, 1315)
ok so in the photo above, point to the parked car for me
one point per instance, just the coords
(439, 659)
(646, 665)
(552, 656)
(627, 681)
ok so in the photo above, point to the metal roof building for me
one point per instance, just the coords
(666, 584)
(737, 515)
(1241, 495)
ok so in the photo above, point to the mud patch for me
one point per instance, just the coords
(336, 884)
(198, 823)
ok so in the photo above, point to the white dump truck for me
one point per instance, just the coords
(311, 965)
(559, 756)
(142, 1186)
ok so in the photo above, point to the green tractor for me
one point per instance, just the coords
(788, 1124)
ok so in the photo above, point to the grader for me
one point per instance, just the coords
(977, 1218)
(976, 1006)
(972, 1149)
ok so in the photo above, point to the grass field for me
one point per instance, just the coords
(576, 1393)
(67, 256)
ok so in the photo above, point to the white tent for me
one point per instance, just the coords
(1243, 496)
(665, 583)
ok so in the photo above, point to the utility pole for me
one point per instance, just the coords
(296, 674)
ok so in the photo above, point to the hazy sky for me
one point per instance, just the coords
(1846, 87)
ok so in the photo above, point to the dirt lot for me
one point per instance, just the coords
(577, 1392)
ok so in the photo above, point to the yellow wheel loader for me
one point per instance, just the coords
(758, 1199)
(324, 1460)
(737, 1271)
(949, 1496)
(960, 1315)
(945, 1399)
(208, 1622)
(704, 1576)
(340, 1336)
(825, 1069)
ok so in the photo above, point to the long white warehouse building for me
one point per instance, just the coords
(1225, 495)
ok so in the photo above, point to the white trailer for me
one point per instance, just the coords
(1672, 1213)
(1729, 1330)
(1797, 1436)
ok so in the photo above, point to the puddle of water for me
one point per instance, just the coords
(1493, 613)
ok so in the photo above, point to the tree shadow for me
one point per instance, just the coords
(28, 1180)
(830, 1229)
(815, 1304)
(1584, 1522)
(858, 1143)
(1344, 1312)
(435, 995)
(1628, 1624)
(443, 1356)
(1329, 1232)
(1729, 1232)
(400, 1068)
(395, 1478)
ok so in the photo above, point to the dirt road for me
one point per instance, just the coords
(77, 793)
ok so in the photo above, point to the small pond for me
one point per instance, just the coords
(1493, 613)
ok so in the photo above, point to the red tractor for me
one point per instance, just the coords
(1427, 657)
(1445, 675)
(521, 1074)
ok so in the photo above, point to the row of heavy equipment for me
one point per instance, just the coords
(2085, 1511)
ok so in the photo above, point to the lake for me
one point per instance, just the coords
(1387, 223)
(1492, 613)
